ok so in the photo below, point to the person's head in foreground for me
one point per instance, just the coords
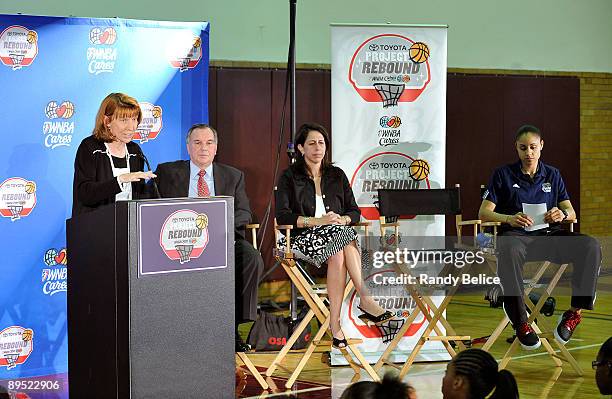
(473, 374)
(603, 368)
(389, 388)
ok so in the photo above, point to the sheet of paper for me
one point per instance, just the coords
(536, 212)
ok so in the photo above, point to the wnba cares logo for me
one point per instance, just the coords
(54, 278)
(389, 134)
(184, 235)
(102, 57)
(390, 68)
(185, 52)
(390, 122)
(16, 345)
(151, 123)
(17, 198)
(18, 46)
(58, 132)
(64, 111)
(103, 36)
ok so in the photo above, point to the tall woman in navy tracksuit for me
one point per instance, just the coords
(531, 181)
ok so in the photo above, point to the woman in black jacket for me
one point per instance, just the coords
(315, 197)
(108, 165)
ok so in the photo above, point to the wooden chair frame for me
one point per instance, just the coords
(425, 305)
(315, 296)
(536, 319)
(243, 357)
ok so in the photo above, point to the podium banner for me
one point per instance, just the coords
(54, 73)
(389, 131)
(173, 237)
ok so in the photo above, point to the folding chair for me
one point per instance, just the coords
(537, 320)
(315, 297)
(392, 204)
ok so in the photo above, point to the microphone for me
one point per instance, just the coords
(156, 189)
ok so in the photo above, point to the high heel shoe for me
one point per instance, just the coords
(378, 320)
(339, 343)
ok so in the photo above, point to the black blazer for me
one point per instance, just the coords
(295, 195)
(173, 182)
(93, 184)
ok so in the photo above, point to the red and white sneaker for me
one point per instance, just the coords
(567, 324)
(527, 337)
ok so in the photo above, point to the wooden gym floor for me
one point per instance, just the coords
(537, 376)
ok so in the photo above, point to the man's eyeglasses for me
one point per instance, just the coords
(597, 363)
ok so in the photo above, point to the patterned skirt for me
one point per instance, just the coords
(316, 244)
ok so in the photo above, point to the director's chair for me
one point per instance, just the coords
(395, 203)
(536, 319)
(315, 298)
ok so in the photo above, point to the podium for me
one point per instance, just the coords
(151, 300)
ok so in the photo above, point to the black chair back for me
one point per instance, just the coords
(440, 201)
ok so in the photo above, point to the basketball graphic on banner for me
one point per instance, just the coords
(50, 101)
(50, 110)
(419, 52)
(109, 36)
(151, 123)
(106, 36)
(94, 35)
(403, 70)
(419, 169)
(16, 345)
(156, 112)
(201, 221)
(184, 235)
(32, 37)
(66, 110)
(17, 197)
(386, 170)
(185, 51)
(390, 69)
(18, 46)
(30, 187)
(27, 334)
(49, 257)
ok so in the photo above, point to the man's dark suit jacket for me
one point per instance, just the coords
(173, 181)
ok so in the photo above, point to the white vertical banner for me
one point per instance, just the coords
(389, 131)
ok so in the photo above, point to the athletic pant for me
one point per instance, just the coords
(559, 246)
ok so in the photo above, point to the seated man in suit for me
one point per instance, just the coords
(202, 177)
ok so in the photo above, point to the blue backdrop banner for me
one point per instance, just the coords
(54, 73)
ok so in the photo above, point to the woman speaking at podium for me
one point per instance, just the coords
(108, 166)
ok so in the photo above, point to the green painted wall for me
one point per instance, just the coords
(551, 35)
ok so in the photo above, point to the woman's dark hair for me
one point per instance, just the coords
(301, 137)
(389, 387)
(528, 129)
(480, 369)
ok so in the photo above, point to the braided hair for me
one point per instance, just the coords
(485, 381)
